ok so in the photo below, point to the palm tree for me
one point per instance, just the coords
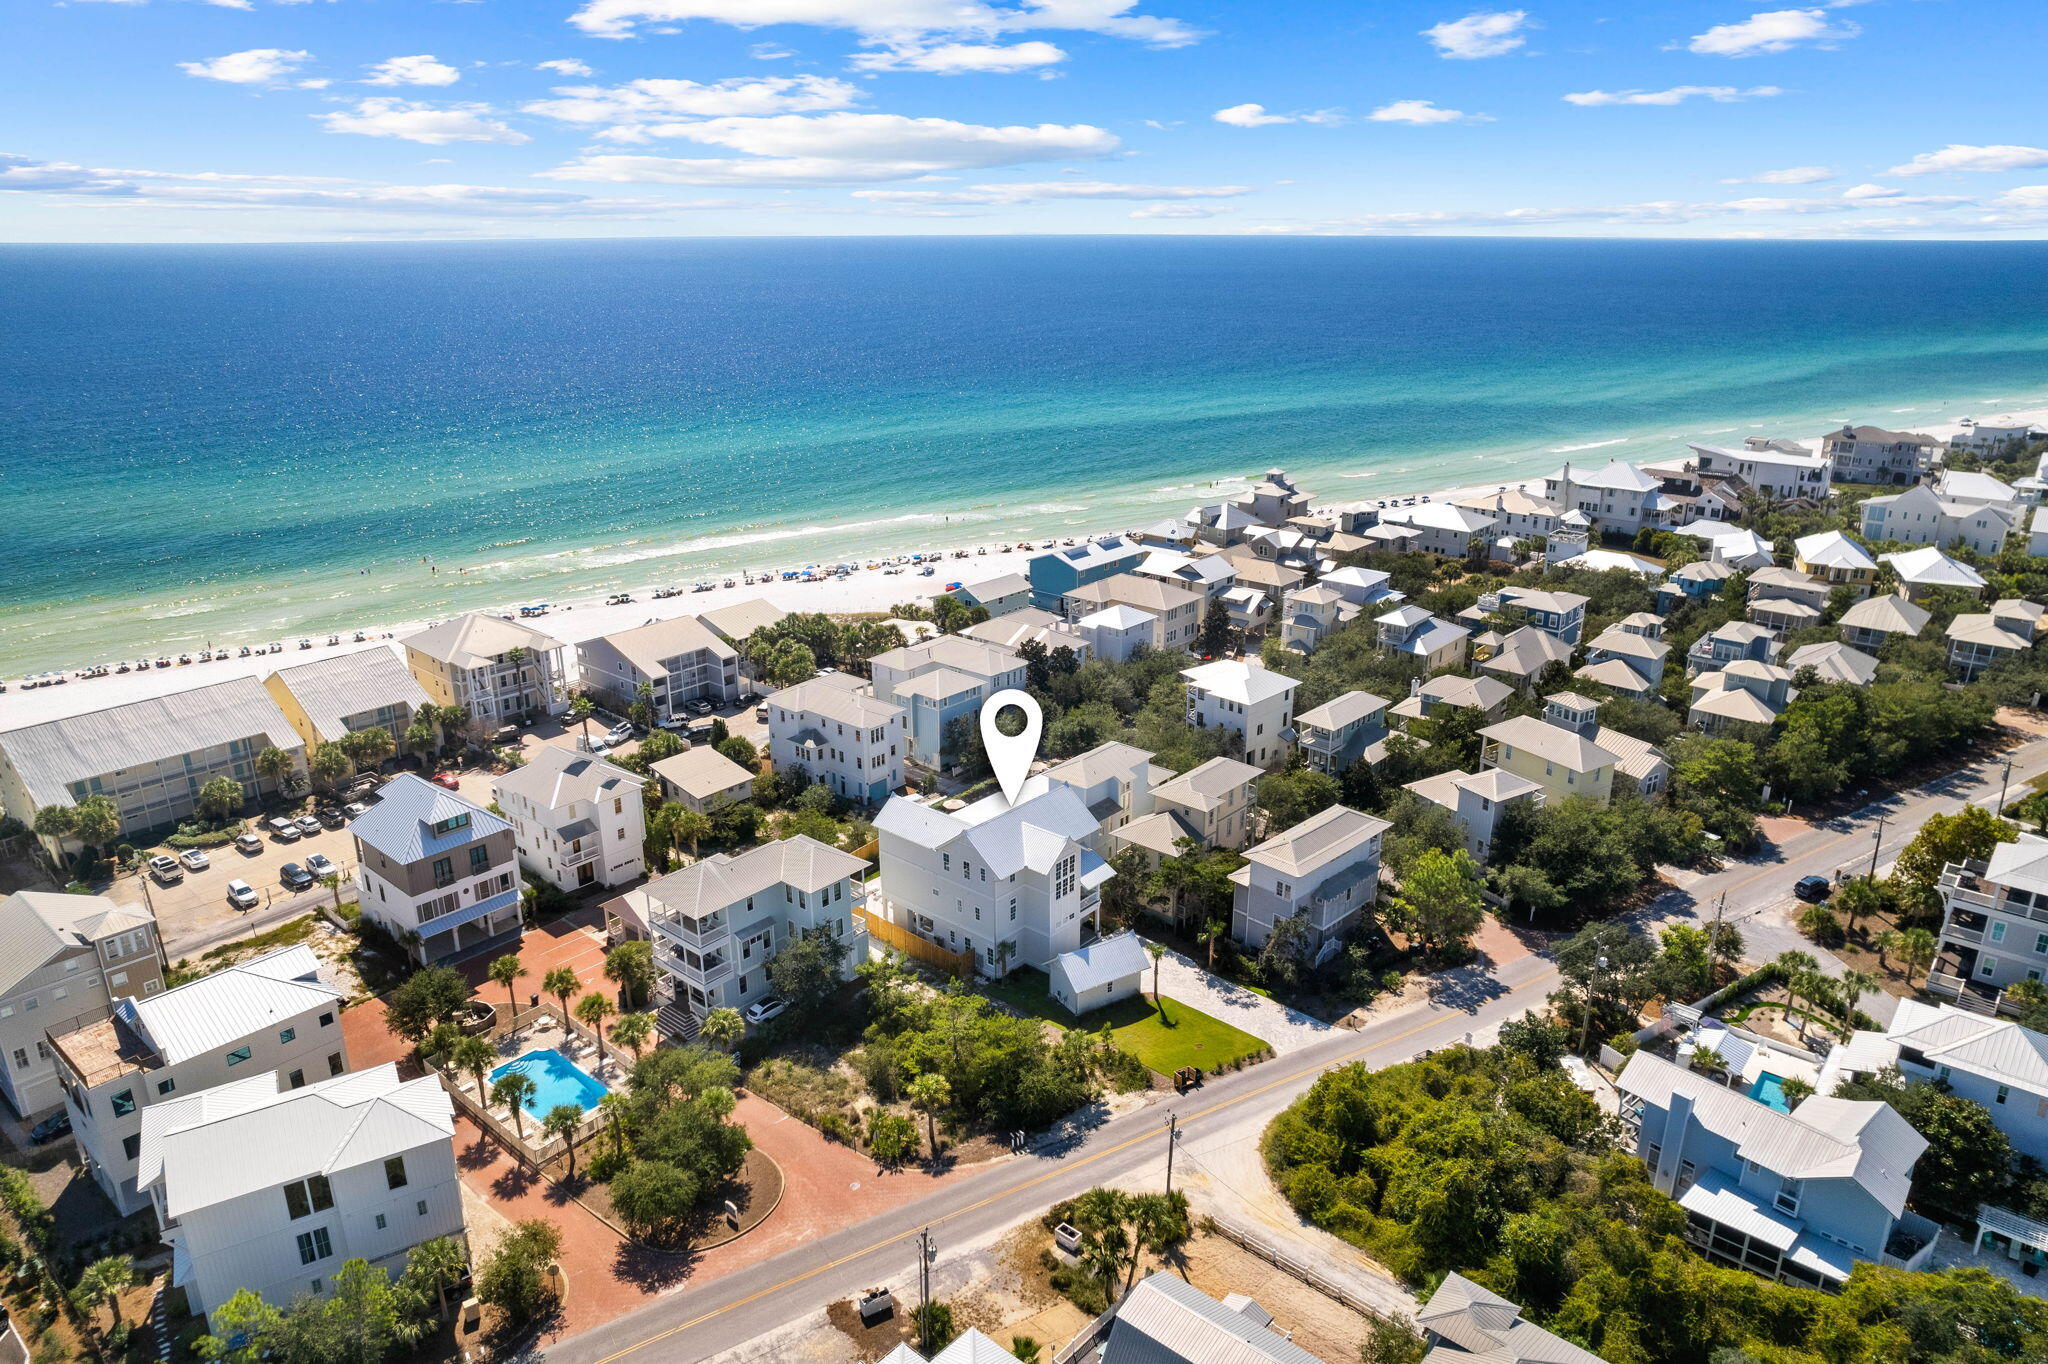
(506, 971)
(690, 826)
(95, 822)
(1795, 1089)
(1885, 944)
(103, 1282)
(513, 1092)
(370, 747)
(581, 708)
(440, 1262)
(1156, 950)
(612, 1108)
(1211, 932)
(475, 1056)
(1027, 1350)
(643, 705)
(929, 1093)
(421, 739)
(591, 1011)
(274, 763)
(57, 823)
(723, 1028)
(630, 966)
(632, 1032)
(330, 765)
(1855, 985)
(1916, 949)
(561, 983)
(562, 1121)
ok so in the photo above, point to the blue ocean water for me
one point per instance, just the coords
(213, 443)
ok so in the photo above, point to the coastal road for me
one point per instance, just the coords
(1759, 887)
(698, 1323)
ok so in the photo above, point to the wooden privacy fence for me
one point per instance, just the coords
(902, 940)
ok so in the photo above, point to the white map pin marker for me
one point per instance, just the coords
(1011, 755)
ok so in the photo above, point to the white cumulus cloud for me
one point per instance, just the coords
(1778, 30)
(420, 70)
(257, 66)
(2024, 196)
(642, 109)
(841, 148)
(434, 124)
(960, 59)
(1422, 112)
(1180, 210)
(1958, 156)
(893, 20)
(1677, 94)
(1257, 116)
(1791, 175)
(565, 66)
(1487, 33)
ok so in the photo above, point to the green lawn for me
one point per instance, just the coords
(1183, 1036)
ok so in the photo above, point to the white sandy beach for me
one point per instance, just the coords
(572, 622)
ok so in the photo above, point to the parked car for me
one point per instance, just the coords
(619, 734)
(249, 843)
(284, 830)
(242, 895)
(166, 870)
(700, 707)
(309, 825)
(195, 859)
(446, 781)
(295, 877)
(761, 712)
(355, 808)
(331, 816)
(319, 865)
(762, 1010)
(57, 1125)
(1814, 889)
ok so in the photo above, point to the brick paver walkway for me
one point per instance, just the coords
(574, 940)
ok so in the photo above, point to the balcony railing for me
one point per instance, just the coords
(1955, 932)
(709, 971)
(577, 859)
(690, 930)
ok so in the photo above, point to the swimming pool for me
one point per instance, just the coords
(1768, 1089)
(556, 1080)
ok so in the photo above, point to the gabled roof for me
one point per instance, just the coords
(700, 771)
(1890, 614)
(1007, 585)
(400, 824)
(1203, 787)
(1234, 680)
(1485, 693)
(736, 620)
(1527, 651)
(1615, 640)
(1168, 1321)
(1552, 743)
(648, 647)
(1835, 662)
(839, 698)
(1103, 962)
(1104, 762)
(1028, 624)
(1987, 631)
(1832, 549)
(1439, 516)
(1824, 1138)
(1480, 1324)
(1994, 1047)
(1618, 474)
(1118, 619)
(50, 756)
(1141, 590)
(1356, 584)
(1974, 487)
(726, 879)
(1318, 840)
(1007, 839)
(1342, 710)
(553, 777)
(213, 1147)
(232, 1004)
(1617, 674)
(1705, 570)
(976, 657)
(1533, 599)
(970, 1348)
(472, 641)
(940, 684)
(331, 689)
(36, 926)
(1929, 567)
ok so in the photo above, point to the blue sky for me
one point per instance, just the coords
(251, 120)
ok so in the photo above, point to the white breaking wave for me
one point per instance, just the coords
(1589, 445)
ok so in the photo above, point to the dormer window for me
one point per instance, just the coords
(451, 824)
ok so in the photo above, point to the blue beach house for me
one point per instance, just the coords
(1057, 572)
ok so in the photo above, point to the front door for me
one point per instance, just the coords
(586, 873)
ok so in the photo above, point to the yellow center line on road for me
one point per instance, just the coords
(1152, 1135)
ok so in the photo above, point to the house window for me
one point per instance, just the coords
(444, 870)
(380, 1222)
(1998, 932)
(131, 1146)
(124, 1103)
(238, 1055)
(304, 1197)
(334, 1063)
(286, 1037)
(422, 1206)
(479, 858)
(394, 1172)
(297, 1079)
(1788, 1196)
(314, 1246)
(2004, 1093)
(166, 1086)
(326, 1020)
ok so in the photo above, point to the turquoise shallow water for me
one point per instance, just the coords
(231, 443)
(556, 1080)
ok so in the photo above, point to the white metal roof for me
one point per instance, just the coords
(649, 647)
(554, 777)
(701, 771)
(1552, 743)
(1890, 614)
(1102, 963)
(38, 925)
(229, 1006)
(1237, 681)
(1168, 1321)
(208, 1153)
(1832, 549)
(400, 824)
(1318, 841)
(839, 698)
(474, 640)
(331, 689)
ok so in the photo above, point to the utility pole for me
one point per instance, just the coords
(1714, 936)
(2003, 782)
(924, 1287)
(1172, 1140)
(1876, 843)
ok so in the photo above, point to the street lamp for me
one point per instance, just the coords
(1586, 1023)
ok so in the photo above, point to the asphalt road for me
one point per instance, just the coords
(698, 1323)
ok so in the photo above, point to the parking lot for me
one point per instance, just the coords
(194, 913)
